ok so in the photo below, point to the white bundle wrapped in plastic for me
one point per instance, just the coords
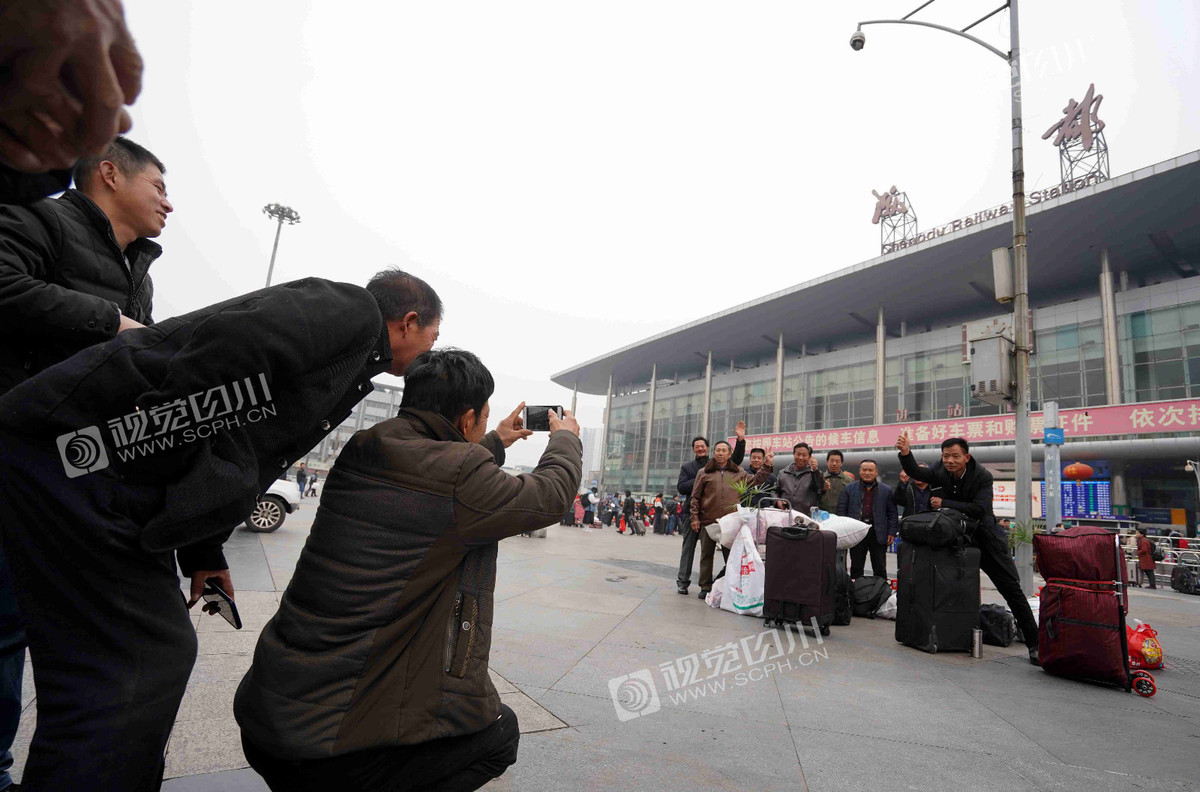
(849, 531)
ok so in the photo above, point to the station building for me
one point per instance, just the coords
(849, 359)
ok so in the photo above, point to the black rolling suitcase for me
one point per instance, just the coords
(800, 577)
(937, 602)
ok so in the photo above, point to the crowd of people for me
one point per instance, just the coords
(707, 492)
(373, 674)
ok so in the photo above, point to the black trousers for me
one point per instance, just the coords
(452, 764)
(687, 554)
(995, 561)
(858, 556)
(109, 634)
(1149, 573)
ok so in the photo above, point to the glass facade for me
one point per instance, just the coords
(1068, 366)
(1160, 353)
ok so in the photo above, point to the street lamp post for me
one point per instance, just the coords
(281, 214)
(1193, 466)
(1024, 446)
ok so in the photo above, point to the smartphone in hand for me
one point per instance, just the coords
(215, 595)
(537, 419)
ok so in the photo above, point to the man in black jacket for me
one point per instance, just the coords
(687, 479)
(75, 271)
(159, 440)
(958, 482)
(65, 284)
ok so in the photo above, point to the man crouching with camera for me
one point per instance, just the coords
(373, 674)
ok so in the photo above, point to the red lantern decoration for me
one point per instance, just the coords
(1077, 472)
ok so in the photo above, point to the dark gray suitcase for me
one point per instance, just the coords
(937, 601)
(800, 577)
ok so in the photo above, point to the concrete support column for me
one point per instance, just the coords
(1108, 319)
(707, 395)
(880, 362)
(604, 433)
(649, 426)
(779, 386)
(1120, 495)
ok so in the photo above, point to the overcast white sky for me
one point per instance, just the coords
(575, 176)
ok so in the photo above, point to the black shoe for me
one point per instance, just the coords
(1033, 656)
(681, 589)
(703, 593)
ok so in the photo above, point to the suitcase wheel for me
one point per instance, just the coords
(1143, 684)
(825, 630)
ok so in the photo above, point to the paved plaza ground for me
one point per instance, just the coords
(578, 609)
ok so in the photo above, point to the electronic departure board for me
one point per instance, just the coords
(1085, 499)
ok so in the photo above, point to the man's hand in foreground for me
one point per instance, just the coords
(129, 324)
(512, 428)
(567, 422)
(68, 68)
(218, 576)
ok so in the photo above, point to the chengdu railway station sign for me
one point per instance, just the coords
(1031, 199)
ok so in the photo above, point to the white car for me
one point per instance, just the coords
(281, 499)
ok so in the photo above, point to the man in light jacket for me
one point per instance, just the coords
(373, 674)
(801, 482)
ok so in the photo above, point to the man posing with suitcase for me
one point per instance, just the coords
(958, 482)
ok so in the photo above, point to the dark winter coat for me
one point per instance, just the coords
(384, 633)
(971, 494)
(312, 344)
(64, 283)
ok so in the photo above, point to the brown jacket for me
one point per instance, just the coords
(713, 495)
(383, 635)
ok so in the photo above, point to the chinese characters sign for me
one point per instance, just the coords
(888, 205)
(1144, 418)
(1080, 121)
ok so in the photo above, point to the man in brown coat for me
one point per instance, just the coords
(373, 673)
(713, 496)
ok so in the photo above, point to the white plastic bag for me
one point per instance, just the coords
(713, 530)
(745, 577)
(716, 594)
(888, 609)
(732, 523)
(849, 531)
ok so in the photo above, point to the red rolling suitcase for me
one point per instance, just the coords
(1081, 630)
(799, 586)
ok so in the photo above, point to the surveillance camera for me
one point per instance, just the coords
(857, 41)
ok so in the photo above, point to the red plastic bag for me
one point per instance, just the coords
(1144, 649)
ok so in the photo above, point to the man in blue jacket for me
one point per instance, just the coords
(870, 500)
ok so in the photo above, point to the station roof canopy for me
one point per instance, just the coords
(1149, 221)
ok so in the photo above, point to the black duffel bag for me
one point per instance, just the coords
(998, 626)
(941, 528)
(869, 595)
